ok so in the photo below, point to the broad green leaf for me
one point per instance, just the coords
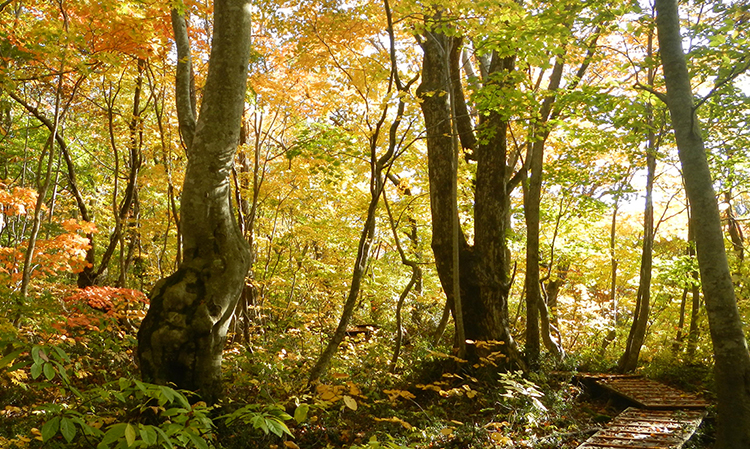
(36, 370)
(259, 422)
(164, 437)
(197, 441)
(50, 428)
(278, 428)
(36, 354)
(49, 371)
(168, 393)
(114, 433)
(67, 429)
(300, 414)
(148, 434)
(61, 354)
(130, 434)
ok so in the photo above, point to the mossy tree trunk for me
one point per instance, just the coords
(182, 337)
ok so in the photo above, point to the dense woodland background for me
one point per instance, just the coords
(92, 163)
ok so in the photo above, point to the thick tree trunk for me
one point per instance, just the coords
(483, 268)
(437, 114)
(732, 360)
(182, 337)
(491, 209)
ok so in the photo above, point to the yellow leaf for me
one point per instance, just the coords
(350, 402)
(291, 445)
(447, 431)
(498, 438)
(328, 396)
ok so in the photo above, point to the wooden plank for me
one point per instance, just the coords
(647, 429)
(650, 394)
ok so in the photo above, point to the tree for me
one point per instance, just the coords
(182, 337)
(637, 334)
(483, 268)
(732, 360)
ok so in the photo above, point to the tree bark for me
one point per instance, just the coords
(637, 335)
(732, 360)
(482, 268)
(182, 337)
(437, 115)
(532, 201)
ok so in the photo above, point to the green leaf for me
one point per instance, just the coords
(49, 371)
(300, 414)
(148, 434)
(130, 434)
(36, 370)
(197, 441)
(168, 394)
(50, 428)
(114, 433)
(259, 422)
(61, 354)
(61, 371)
(67, 429)
(164, 437)
(278, 428)
(35, 354)
(5, 361)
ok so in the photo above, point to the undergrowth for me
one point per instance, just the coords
(72, 383)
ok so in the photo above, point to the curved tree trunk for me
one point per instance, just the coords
(732, 360)
(182, 337)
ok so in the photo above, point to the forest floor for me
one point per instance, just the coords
(440, 408)
(75, 386)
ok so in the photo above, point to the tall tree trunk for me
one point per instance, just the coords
(182, 337)
(636, 337)
(483, 268)
(532, 201)
(613, 262)
(42, 188)
(437, 114)
(732, 360)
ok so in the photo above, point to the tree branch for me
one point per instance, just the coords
(185, 84)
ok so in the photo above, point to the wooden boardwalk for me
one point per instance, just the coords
(650, 394)
(666, 419)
